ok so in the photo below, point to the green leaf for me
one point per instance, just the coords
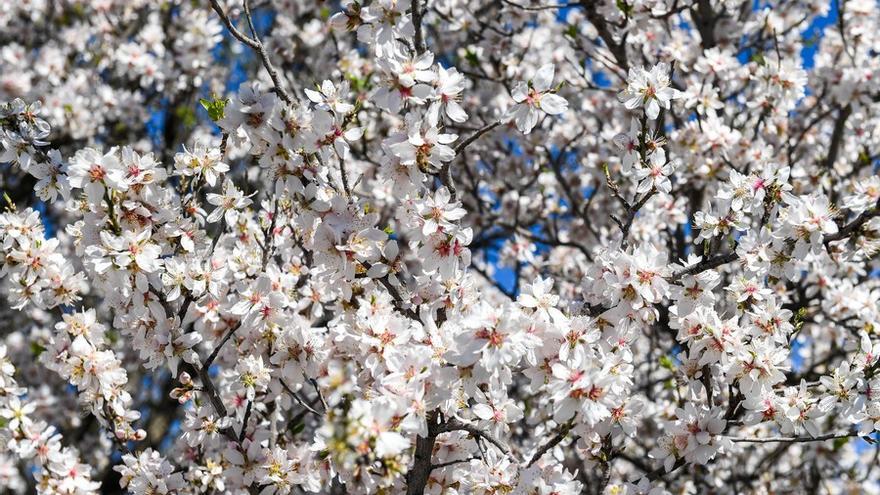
(37, 349)
(666, 362)
(186, 115)
(357, 84)
(471, 57)
(758, 58)
(298, 428)
(840, 442)
(215, 107)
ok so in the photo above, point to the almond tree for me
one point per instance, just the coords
(439, 246)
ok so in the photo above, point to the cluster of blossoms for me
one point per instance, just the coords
(28, 439)
(443, 247)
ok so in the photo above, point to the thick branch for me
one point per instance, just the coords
(837, 137)
(418, 39)
(417, 476)
(420, 471)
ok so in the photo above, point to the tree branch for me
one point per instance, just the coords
(561, 433)
(418, 38)
(446, 170)
(821, 438)
(837, 137)
(256, 45)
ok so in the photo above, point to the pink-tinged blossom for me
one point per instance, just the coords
(534, 98)
(439, 247)
(650, 89)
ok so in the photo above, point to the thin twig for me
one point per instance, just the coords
(476, 135)
(821, 438)
(299, 399)
(538, 8)
(244, 422)
(451, 463)
(446, 169)
(561, 433)
(219, 346)
(706, 264)
(256, 45)
(456, 425)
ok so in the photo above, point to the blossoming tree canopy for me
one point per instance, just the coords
(440, 247)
